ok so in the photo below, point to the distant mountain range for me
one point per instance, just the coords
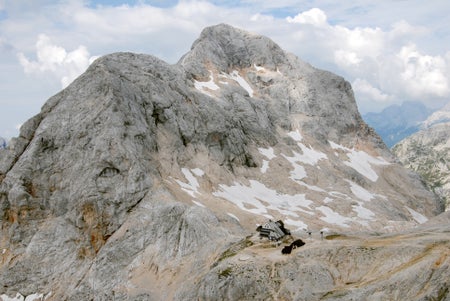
(397, 122)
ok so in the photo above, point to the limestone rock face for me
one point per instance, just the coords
(428, 153)
(145, 181)
(286, 85)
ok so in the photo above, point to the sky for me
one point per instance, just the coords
(390, 51)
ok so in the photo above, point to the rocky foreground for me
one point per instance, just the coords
(146, 181)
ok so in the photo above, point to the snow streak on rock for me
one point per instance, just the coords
(417, 216)
(333, 217)
(206, 86)
(361, 161)
(259, 199)
(192, 186)
(241, 81)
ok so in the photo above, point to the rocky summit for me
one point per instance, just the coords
(144, 180)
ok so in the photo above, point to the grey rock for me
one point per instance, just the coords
(442, 115)
(127, 184)
(427, 153)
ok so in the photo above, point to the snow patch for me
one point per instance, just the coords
(360, 192)
(34, 297)
(327, 200)
(234, 75)
(267, 152)
(308, 156)
(332, 217)
(198, 172)
(198, 204)
(361, 161)
(310, 187)
(295, 135)
(265, 166)
(241, 81)
(258, 68)
(417, 216)
(364, 196)
(192, 186)
(19, 297)
(296, 223)
(299, 171)
(233, 216)
(259, 199)
(205, 86)
(339, 195)
(363, 212)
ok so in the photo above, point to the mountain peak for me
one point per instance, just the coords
(145, 179)
(323, 102)
(226, 47)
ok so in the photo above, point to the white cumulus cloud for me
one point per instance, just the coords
(366, 90)
(424, 74)
(384, 65)
(313, 16)
(346, 58)
(54, 59)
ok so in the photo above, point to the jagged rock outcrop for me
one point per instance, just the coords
(428, 153)
(141, 180)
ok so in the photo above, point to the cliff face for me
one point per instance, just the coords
(142, 180)
(427, 153)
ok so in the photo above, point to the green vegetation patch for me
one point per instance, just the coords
(234, 249)
(226, 273)
(336, 236)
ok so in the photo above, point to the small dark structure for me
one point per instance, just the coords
(287, 250)
(296, 244)
(273, 230)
